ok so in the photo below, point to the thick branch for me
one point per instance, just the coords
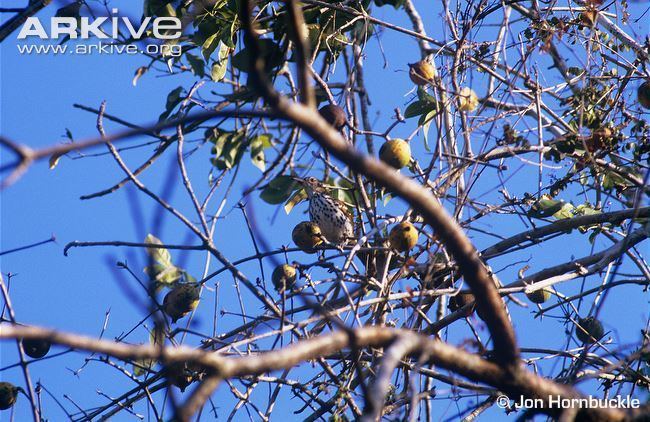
(519, 382)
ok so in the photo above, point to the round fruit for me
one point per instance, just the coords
(181, 300)
(307, 236)
(180, 375)
(589, 17)
(643, 94)
(590, 330)
(284, 277)
(334, 115)
(467, 100)
(601, 138)
(8, 394)
(459, 300)
(539, 296)
(396, 153)
(422, 72)
(36, 348)
(403, 237)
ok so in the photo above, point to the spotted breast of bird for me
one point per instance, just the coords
(330, 214)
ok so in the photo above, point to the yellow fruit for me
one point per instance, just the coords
(643, 94)
(591, 331)
(284, 277)
(403, 237)
(36, 348)
(396, 153)
(467, 100)
(334, 115)
(8, 394)
(307, 236)
(539, 296)
(422, 72)
(181, 300)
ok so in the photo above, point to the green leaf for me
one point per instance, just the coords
(157, 335)
(278, 190)
(54, 160)
(545, 207)
(232, 152)
(160, 255)
(425, 122)
(258, 144)
(614, 180)
(227, 36)
(159, 8)
(397, 4)
(219, 67)
(423, 95)
(164, 274)
(138, 74)
(173, 99)
(209, 45)
(197, 65)
(228, 148)
(347, 193)
(299, 196)
(414, 109)
(586, 209)
(69, 11)
(143, 366)
(420, 107)
(269, 51)
(565, 212)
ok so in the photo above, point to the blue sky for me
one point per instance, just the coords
(74, 293)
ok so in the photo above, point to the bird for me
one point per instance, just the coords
(330, 214)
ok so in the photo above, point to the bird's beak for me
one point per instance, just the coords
(298, 179)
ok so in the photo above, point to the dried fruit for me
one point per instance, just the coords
(8, 395)
(539, 296)
(459, 300)
(181, 300)
(422, 72)
(589, 17)
(181, 374)
(590, 330)
(467, 100)
(600, 139)
(284, 277)
(396, 153)
(36, 348)
(334, 115)
(403, 237)
(643, 94)
(307, 235)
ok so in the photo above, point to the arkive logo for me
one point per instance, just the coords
(163, 28)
